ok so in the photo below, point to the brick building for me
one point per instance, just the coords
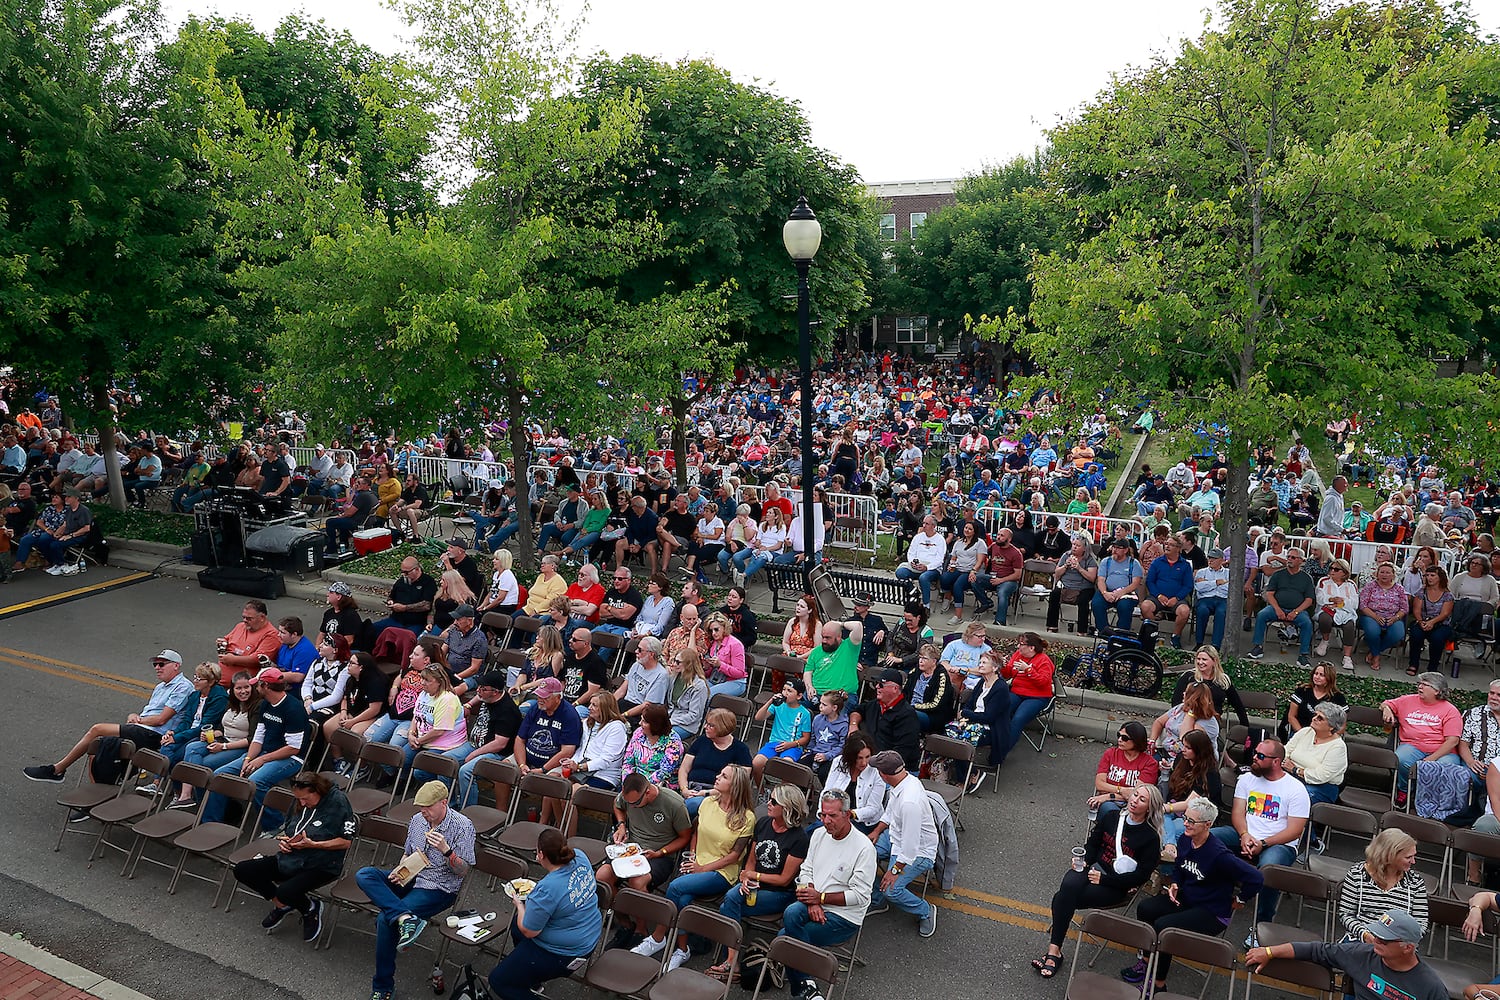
(906, 206)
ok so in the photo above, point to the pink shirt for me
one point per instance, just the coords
(1425, 726)
(730, 653)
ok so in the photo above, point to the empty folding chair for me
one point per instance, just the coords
(130, 806)
(1134, 935)
(624, 972)
(502, 775)
(1294, 972)
(1355, 824)
(165, 824)
(87, 794)
(1471, 850)
(954, 752)
(444, 769)
(375, 757)
(593, 821)
(1213, 953)
(520, 835)
(1306, 886)
(1379, 766)
(689, 984)
(214, 840)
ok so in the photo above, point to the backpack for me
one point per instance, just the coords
(471, 986)
(753, 959)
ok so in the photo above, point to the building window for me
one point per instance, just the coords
(888, 226)
(911, 329)
(918, 220)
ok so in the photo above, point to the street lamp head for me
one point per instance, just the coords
(802, 234)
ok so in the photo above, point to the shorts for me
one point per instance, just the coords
(144, 737)
(663, 870)
(769, 750)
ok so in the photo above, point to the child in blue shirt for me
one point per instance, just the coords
(791, 726)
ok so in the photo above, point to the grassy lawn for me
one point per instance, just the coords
(144, 525)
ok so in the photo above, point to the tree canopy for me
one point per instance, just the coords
(720, 165)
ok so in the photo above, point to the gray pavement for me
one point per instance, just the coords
(67, 665)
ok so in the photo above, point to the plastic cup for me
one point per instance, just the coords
(1078, 864)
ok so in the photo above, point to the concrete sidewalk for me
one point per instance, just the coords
(28, 971)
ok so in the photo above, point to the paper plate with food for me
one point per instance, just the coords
(519, 888)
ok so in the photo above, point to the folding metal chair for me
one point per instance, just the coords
(88, 794)
(624, 972)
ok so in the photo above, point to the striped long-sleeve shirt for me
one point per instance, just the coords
(1361, 900)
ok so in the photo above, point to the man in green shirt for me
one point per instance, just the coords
(834, 665)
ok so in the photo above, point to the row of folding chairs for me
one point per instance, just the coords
(1444, 852)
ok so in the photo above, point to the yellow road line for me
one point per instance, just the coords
(69, 594)
(72, 669)
(979, 911)
(1014, 904)
(71, 676)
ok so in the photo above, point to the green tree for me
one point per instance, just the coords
(110, 275)
(721, 165)
(1280, 223)
(973, 260)
(363, 110)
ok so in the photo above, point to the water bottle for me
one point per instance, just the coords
(1457, 663)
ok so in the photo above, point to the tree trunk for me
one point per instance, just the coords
(1236, 526)
(107, 449)
(520, 448)
(679, 438)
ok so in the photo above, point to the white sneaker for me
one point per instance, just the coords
(1348, 664)
(70, 570)
(1322, 647)
(679, 957)
(650, 946)
(54, 571)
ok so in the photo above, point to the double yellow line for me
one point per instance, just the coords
(77, 592)
(75, 672)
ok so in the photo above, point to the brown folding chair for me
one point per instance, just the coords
(954, 751)
(444, 769)
(1429, 832)
(502, 774)
(500, 868)
(1357, 824)
(277, 799)
(345, 894)
(162, 826)
(130, 806)
(523, 630)
(520, 836)
(819, 964)
(1214, 953)
(87, 793)
(497, 625)
(689, 984)
(1376, 800)
(1470, 846)
(1306, 886)
(591, 801)
(624, 972)
(1294, 972)
(375, 756)
(1445, 920)
(348, 743)
(1110, 927)
(214, 841)
(782, 771)
(611, 648)
(743, 708)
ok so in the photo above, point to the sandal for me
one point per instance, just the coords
(724, 973)
(1046, 966)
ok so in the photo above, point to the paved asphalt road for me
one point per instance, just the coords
(70, 663)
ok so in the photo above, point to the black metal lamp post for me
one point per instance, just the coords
(802, 235)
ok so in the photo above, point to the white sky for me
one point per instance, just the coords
(902, 91)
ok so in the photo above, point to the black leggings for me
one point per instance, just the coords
(263, 875)
(1054, 609)
(1077, 893)
(1160, 912)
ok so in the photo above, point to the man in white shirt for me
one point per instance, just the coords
(1331, 514)
(841, 864)
(924, 558)
(1270, 812)
(913, 842)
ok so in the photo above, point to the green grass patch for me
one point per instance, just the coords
(144, 525)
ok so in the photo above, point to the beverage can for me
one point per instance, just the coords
(532, 815)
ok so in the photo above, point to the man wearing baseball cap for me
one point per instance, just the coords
(275, 750)
(143, 728)
(910, 850)
(873, 640)
(446, 838)
(889, 720)
(1383, 965)
(550, 731)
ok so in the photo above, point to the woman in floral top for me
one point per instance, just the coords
(654, 750)
(1383, 605)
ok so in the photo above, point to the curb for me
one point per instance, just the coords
(59, 968)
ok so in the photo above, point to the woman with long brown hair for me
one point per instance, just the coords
(1195, 775)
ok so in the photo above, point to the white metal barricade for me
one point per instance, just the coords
(855, 523)
(1361, 554)
(625, 479)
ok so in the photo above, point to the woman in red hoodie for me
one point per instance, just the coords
(1029, 671)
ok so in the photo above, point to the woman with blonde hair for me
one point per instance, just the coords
(544, 659)
(726, 822)
(1384, 880)
(688, 694)
(1208, 667)
(504, 593)
(452, 591)
(1122, 852)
